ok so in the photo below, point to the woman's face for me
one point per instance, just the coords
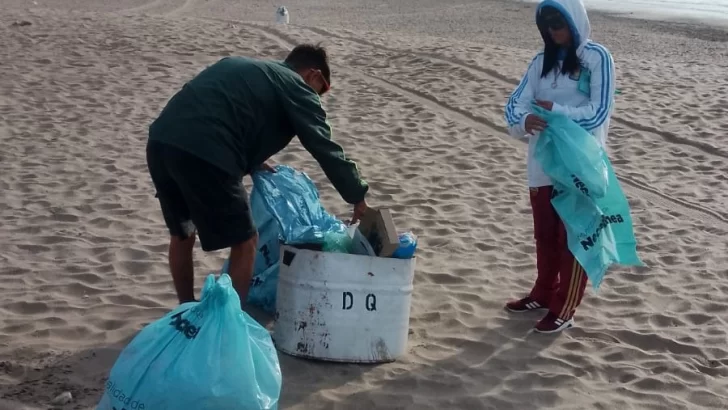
(561, 36)
(558, 27)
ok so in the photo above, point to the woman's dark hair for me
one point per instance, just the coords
(551, 51)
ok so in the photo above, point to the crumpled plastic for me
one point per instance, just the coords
(286, 208)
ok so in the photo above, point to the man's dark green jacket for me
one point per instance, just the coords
(240, 111)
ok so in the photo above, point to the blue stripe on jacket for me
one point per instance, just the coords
(605, 95)
(511, 117)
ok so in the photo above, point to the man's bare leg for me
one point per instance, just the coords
(182, 267)
(242, 259)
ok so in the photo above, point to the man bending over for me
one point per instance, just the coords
(224, 124)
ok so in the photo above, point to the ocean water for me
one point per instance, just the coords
(709, 11)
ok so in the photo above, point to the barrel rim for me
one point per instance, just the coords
(351, 255)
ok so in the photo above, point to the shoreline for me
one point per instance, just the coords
(661, 22)
(693, 27)
(645, 13)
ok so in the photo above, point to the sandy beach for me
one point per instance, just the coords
(417, 100)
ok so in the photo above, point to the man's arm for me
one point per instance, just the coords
(308, 118)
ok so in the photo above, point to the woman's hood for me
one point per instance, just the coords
(575, 14)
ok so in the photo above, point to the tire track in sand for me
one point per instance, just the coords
(696, 212)
(475, 69)
(703, 215)
(146, 6)
(161, 7)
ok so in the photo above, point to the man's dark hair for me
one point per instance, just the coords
(305, 56)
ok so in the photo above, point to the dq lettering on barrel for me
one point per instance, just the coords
(370, 302)
(348, 301)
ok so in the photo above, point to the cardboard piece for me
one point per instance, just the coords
(377, 226)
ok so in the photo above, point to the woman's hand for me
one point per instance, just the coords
(548, 105)
(534, 124)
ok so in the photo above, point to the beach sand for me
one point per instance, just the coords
(418, 97)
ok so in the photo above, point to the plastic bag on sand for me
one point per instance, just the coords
(286, 207)
(592, 206)
(206, 355)
(571, 161)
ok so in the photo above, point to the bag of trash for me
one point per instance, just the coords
(286, 208)
(206, 355)
(592, 206)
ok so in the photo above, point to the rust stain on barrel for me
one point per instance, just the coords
(302, 347)
(381, 351)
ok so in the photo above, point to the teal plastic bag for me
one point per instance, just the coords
(206, 355)
(587, 197)
(572, 161)
(287, 209)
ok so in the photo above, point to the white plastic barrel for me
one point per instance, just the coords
(343, 307)
(282, 15)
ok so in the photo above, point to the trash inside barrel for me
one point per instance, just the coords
(287, 210)
(339, 293)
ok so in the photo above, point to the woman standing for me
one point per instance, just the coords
(574, 76)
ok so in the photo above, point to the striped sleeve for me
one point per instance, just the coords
(518, 105)
(602, 86)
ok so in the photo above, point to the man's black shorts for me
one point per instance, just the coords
(197, 195)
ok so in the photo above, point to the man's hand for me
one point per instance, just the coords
(534, 124)
(359, 210)
(549, 105)
(266, 167)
